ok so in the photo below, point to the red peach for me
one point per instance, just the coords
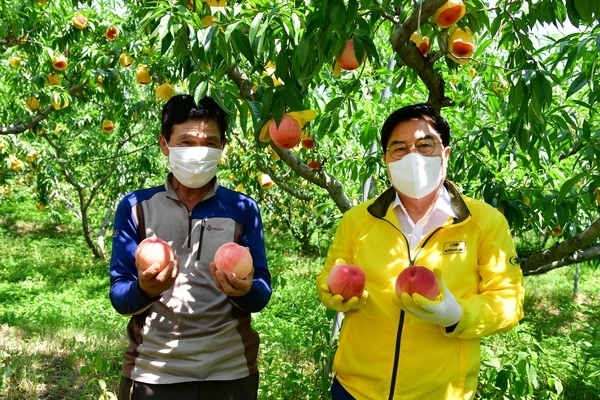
(347, 58)
(450, 13)
(308, 143)
(231, 257)
(111, 33)
(418, 279)
(153, 250)
(287, 134)
(314, 164)
(346, 280)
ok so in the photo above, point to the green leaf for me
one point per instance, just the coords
(230, 29)
(568, 185)
(337, 15)
(585, 9)
(334, 104)
(242, 44)
(256, 27)
(578, 83)
(163, 27)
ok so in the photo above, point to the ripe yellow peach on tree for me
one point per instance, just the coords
(142, 74)
(314, 163)
(32, 155)
(32, 103)
(14, 61)
(450, 13)
(79, 21)
(216, 3)
(108, 125)
(461, 45)
(59, 62)
(58, 102)
(164, 91)
(265, 181)
(308, 142)
(53, 79)
(422, 42)
(15, 164)
(111, 33)
(125, 60)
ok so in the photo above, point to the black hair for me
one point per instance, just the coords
(422, 111)
(182, 108)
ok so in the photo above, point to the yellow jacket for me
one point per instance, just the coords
(385, 353)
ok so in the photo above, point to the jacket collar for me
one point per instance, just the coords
(380, 206)
(172, 194)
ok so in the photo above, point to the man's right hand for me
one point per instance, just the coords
(337, 302)
(155, 280)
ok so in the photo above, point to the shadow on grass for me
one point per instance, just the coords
(50, 367)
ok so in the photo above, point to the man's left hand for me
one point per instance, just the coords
(229, 283)
(444, 310)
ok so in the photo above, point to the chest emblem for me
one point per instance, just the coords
(455, 247)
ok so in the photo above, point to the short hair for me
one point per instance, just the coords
(419, 111)
(182, 108)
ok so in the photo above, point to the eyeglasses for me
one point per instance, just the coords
(425, 146)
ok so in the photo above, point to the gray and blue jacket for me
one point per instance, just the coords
(193, 332)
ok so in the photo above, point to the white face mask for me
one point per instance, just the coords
(416, 175)
(194, 166)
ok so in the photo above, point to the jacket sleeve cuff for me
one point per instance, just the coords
(145, 296)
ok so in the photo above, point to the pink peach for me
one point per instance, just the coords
(346, 280)
(418, 279)
(153, 250)
(287, 134)
(231, 257)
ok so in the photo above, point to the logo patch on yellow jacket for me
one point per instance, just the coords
(455, 247)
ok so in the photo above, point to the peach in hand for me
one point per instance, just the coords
(346, 280)
(418, 279)
(231, 257)
(153, 250)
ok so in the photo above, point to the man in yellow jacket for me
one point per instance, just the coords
(410, 347)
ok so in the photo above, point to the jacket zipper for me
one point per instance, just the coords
(401, 321)
(202, 225)
(189, 229)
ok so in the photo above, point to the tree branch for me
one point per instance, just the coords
(318, 177)
(412, 57)
(16, 129)
(577, 257)
(559, 255)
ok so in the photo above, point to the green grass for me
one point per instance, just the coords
(61, 339)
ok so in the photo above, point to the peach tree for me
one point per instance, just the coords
(84, 83)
